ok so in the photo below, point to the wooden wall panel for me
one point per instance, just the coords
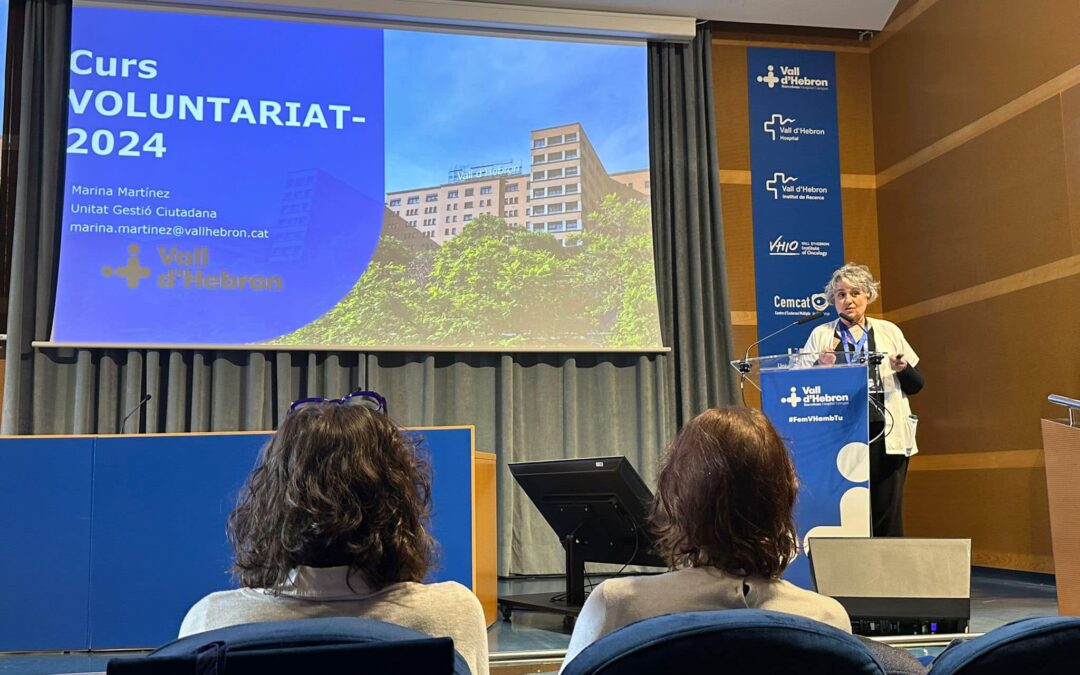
(739, 245)
(1070, 119)
(856, 131)
(979, 240)
(990, 365)
(1003, 511)
(995, 206)
(730, 98)
(959, 60)
(861, 231)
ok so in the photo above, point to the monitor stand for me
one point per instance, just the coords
(567, 603)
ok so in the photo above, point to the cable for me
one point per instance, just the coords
(589, 583)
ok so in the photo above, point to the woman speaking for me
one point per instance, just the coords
(892, 426)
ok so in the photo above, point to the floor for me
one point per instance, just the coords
(996, 598)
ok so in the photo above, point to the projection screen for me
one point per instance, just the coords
(239, 181)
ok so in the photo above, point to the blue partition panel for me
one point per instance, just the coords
(160, 509)
(44, 543)
(107, 541)
(451, 502)
(160, 506)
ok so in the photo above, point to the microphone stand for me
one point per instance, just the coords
(138, 405)
(744, 366)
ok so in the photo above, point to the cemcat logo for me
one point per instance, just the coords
(816, 302)
(133, 272)
(791, 77)
(781, 186)
(189, 270)
(813, 396)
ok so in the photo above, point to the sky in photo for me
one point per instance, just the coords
(460, 100)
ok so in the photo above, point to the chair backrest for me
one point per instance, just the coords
(1043, 645)
(327, 645)
(733, 640)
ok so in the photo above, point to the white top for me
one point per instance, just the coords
(446, 609)
(899, 433)
(619, 602)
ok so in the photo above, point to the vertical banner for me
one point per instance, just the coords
(823, 415)
(795, 178)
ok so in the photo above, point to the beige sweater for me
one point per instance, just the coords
(618, 602)
(445, 609)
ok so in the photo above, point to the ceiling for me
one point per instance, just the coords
(857, 14)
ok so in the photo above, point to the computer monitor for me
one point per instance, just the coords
(598, 508)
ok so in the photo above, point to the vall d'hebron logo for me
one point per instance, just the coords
(188, 270)
(782, 128)
(791, 77)
(781, 247)
(814, 397)
(781, 186)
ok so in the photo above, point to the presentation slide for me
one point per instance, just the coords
(239, 181)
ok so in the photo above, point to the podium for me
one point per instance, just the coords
(822, 411)
(1061, 447)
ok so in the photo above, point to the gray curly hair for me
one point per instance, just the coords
(856, 276)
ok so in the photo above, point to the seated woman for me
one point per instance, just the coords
(333, 522)
(723, 519)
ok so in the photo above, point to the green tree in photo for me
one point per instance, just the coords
(616, 266)
(497, 284)
(384, 307)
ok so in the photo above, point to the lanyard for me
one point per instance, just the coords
(848, 339)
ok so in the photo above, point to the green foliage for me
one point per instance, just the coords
(500, 285)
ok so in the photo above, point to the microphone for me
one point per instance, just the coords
(133, 411)
(744, 366)
(807, 319)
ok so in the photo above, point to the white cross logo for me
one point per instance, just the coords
(782, 179)
(773, 121)
(769, 78)
(793, 399)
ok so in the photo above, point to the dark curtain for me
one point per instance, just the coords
(688, 230)
(524, 406)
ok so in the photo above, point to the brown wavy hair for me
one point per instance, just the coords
(725, 496)
(336, 485)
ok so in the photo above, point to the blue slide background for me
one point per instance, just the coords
(321, 237)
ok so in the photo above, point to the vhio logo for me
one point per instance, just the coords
(780, 246)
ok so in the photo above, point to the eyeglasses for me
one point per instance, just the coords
(365, 399)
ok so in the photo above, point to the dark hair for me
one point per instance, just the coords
(725, 495)
(336, 485)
